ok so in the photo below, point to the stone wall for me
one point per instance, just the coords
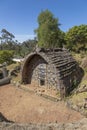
(80, 125)
(41, 71)
(47, 74)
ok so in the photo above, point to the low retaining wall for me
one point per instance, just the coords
(17, 84)
(5, 81)
(80, 125)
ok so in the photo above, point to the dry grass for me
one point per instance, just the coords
(79, 98)
(12, 66)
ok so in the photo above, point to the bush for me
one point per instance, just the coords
(6, 56)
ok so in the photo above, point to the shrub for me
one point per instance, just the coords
(6, 56)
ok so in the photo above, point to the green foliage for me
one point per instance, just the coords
(76, 38)
(27, 47)
(48, 32)
(7, 36)
(6, 56)
(7, 42)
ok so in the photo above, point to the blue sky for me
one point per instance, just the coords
(20, 16)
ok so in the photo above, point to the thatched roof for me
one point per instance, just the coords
(61, 58)
(63, 61)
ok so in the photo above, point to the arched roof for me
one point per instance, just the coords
(31, 55)
(60, 58)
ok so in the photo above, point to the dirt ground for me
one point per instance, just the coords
(24, 107)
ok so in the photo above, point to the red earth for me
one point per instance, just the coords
(22, 106)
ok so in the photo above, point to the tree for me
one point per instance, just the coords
(7, 36)
(48, 32)
(28, 46)
(6, 40)
(76, 38)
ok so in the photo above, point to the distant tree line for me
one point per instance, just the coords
(9, 47)
(48, 35)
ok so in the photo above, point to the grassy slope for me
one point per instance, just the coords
(11, 67)
(78, 99)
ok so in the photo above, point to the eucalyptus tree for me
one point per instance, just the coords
(7, 40)
(7, 36)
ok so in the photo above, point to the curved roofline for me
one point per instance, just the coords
(30, 56)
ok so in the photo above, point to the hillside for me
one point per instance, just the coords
(20, 109)
(21, 106)
(78, 99)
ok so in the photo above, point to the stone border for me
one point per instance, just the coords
(19, 85)
(79, 125)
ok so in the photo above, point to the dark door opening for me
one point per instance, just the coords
(1, 75)
(42, 82)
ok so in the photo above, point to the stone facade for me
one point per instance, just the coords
(51, 68)
(45, 74)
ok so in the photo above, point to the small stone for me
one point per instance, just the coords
(85, 105)
(43, 90)
(17, 84)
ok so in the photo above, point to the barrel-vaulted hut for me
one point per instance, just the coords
(52, 68)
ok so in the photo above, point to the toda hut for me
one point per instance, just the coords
(51, 68)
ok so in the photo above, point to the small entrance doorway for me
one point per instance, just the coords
(42, 82)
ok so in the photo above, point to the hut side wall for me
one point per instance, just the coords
(72, 80)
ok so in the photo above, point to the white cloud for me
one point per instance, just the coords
(24, 37)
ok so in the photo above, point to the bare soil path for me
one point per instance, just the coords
(21, 106)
